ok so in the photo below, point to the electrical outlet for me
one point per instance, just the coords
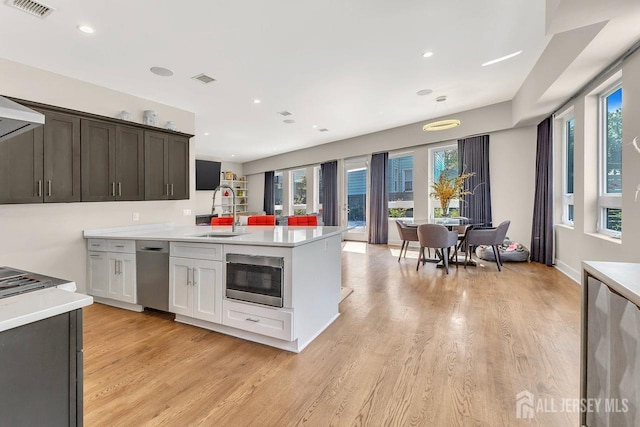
(135, 216)
(186, 212)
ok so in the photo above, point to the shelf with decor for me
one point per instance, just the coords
(226, 199)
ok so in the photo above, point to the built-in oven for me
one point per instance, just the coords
(258, 279)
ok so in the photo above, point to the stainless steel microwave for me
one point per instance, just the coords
(257, 279)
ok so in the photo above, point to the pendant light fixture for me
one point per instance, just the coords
(441, 124)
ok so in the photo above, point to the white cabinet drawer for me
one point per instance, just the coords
(122, 246)
(211, 252)
(99, 245)
(271, 322)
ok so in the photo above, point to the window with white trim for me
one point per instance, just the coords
(400, 185)
(444, 160)
(568, 138)
(610, 159)
(317, 193)
(278, 178)
(299, 191)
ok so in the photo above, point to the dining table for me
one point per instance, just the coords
(450, 223)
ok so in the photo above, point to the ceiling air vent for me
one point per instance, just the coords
(204, 78)
(285, 113)
(323, 130)
(31, 7)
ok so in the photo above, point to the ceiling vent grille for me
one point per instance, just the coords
(285, 113)
(204, 78)
(323, 130)
(31, 7)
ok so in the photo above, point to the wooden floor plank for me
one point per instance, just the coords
(409, 349)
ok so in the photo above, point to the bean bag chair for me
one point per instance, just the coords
(509, 251)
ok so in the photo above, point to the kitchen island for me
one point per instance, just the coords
(203, 292)
(41, 353)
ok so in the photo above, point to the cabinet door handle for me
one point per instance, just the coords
(193, 277)
(172, 189)
(118, 246)
(113, 189)
(94, 255)
(49, 188)
(188, 277)
(167, 189)
(252, 320)
(39, 188)
(119, 189)
(115, 267)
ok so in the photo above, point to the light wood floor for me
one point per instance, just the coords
(410, 348)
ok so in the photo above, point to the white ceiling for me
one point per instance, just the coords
(352, 66)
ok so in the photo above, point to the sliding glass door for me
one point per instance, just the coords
(356, 189)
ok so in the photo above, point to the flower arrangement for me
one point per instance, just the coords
(446, 189)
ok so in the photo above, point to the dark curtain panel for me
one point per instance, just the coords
(330, 193)
(542, 230)
(378, 201)
(269, 193)
(473, 156)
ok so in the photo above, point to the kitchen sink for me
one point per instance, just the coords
(218, 234)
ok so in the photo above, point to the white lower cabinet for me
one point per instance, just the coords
(272, 322)
(195, 288)
(112, 275)
(122, 277)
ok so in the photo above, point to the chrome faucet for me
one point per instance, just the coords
(233, 204)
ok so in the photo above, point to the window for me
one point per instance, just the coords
(567, 170)
(445, 161)
(400, 185)
(610, 144)
(299, 191)
(318, 189)
(277, 188)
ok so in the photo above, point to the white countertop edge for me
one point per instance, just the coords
(33, 306)
(622, 277)
(142, 233)
(105, 232)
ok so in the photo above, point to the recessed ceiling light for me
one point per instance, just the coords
(503, 58)
(314, 126)
(441, 98)
(441, 125)
(424, 92)
(256, 101)
(233, 155)
(427, 54)
(289, 121)
(86, 29)
(323, 130)
(285, 113)
(206, 134)
(161, 71)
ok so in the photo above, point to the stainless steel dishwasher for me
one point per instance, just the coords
(152, 274)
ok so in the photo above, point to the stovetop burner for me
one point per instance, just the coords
(14, 281)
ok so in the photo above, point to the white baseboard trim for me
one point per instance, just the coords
(119, 304)
(568, 271)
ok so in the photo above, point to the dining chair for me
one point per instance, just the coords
(440, 238)
(222, 220)
(407, 234)
(303, 220)
(487, 236)
(261, 220)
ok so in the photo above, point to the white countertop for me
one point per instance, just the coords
(37, 305)
(251, 235)
(622, 277)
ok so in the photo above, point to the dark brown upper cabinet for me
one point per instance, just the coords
(21, 168)
(129, 163)
(112, 162)
(80, 156)
(42, 165)
(61, 158)
(166, 166)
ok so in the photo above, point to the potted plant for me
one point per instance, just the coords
(446, 189)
